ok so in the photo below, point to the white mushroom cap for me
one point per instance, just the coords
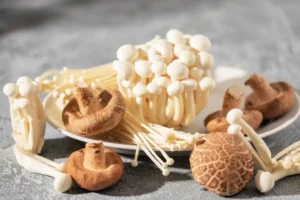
(204, 60)
(127, 52)
(26, 89)
(124, 69)
(200, 43)
(23, 79)
(234, 129)
(175, 36)
(10, 90)
(207, 83)
(187, 57)
(163, 47)
(175, 88)
(127, 84)
(234, 115)
(190, 84)
(139, 90)
(159, 68)
(163, 81)
(177, 70)
(143, 68)
(153, 88)
(23, 103)
(178, 48)
(196, 73)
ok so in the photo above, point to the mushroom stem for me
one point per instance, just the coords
(235, 117)
(287, 150)
(261, 88)
(265, 181)
(232, 98)
(94, 158)
(86, 100)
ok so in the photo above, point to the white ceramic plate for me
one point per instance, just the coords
(215, 103)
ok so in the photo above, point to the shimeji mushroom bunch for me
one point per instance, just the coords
(165, 83)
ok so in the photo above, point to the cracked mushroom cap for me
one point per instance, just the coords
(216, 122)
(93, 111)
(222, 163)
(95, 167)
(272, 100)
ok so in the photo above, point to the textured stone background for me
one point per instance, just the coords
(39, 35)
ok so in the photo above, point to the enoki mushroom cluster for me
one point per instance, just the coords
(165, 83)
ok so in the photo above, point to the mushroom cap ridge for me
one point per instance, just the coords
(95, 180)
(278, 106)
(98, 122)
(222, 163)
(216, 122)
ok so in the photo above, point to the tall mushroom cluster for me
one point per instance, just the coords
(166, 81)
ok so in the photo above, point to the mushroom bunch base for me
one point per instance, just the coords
(133, 129)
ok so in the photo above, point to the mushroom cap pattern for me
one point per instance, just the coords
(95, 167)
(222, 163)
(216, 121)
(93, 110)
(272, 100)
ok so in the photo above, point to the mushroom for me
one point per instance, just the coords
(93, 111)
(272, 100)
(216, 122)
(95, 167)
(222, 163)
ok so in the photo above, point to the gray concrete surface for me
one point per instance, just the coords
(39, 35)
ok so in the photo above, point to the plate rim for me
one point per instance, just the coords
(131, 147)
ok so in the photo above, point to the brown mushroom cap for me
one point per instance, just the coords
(93, 111)
(95, 167)
(222, 163)
(272, 100)
(216, 122)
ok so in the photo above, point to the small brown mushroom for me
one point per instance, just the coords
(95, 167)
(93, 111)
(272, 100)
(222, 163)
(216, 122)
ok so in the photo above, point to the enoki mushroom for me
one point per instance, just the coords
(165, 83)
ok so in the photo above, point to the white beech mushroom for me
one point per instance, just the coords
(175, 36)
(62, 181)
(200, 43)
(95, 167)
(127, 52)
(190, 85)
(177, 71)
(93, 111)
(285, 163)
(28, 125)
(27, 114)
(175, 90)
(163, 82)
(221, 163)
(216, 121)
(235, 117)
(272, 100)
